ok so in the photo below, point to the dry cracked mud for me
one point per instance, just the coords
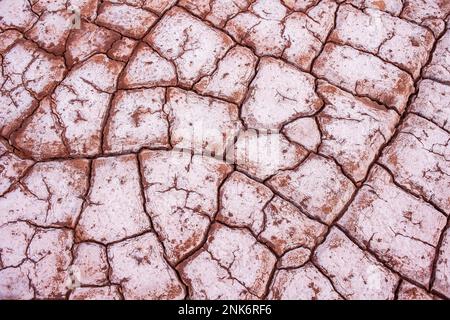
(225, 149)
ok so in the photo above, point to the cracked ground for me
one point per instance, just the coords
(225, 149)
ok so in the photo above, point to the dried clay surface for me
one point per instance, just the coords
(225, 149)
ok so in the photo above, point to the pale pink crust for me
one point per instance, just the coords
(8, 38)
(193, 46)
(51, 31)
(400, 229)
(353, 129)
(365, 278)
(146, 68)
(12, 168)
(28, 74)
(305, 132)
(269, 28)
(278, 94)
(436, 25)
(90, 265)
(242, 201)
(156, 6)
(305, 33)
(231, 265)
(390, 38)
(286, 227)
(232, 77)
(14, 240)
(114, 205)
(14, 284)
(41, 136)
(300, 5)
(53, 189)
(442, 273)
(181, 197)
(428, 12)
(393, 7)
(317, 186)
(364, 74)
(87, 9)
(216, 12)
(418, 158)
(262, 154)
(209, 280)
(82, 100)
(294, 258)
(87, 41)
(16, 14)
(201, 124)
(306, 283)
(139, 266)
(43, 271)
(136, 120)
(96, 293)
(49, 259)
(439, 67)
(128, 20)
(408, 291)
(122, 49)
(432, 103)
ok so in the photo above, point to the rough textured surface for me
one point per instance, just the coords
(96, 293)
(28, 74)
(136, 120)
(269, 28)
(279, 93)
(181, 197)
(365, 278)
(397, 227)
(353, 129)
(287, 228)
(408, 291)
(432, 102)
(232, 76)
(113, 207)
(317, 186)
(231, 265)
(419, 160)
(306, 283)
(262, 155)
(441, 282)
(242, 202)
(201, 124)
(51, 194)
(390, 38)
(364, 74)
(192, 46)
(225, 149)
(138, 265)
(438, 68)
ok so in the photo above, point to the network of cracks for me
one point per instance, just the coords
(225, 149)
